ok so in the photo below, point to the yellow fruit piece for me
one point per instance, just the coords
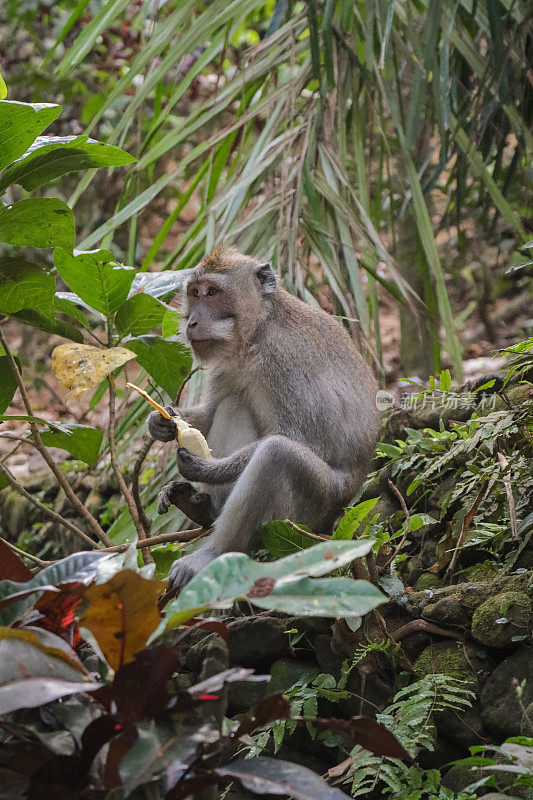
(191, 439)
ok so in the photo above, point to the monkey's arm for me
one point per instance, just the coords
(215, 470)
(199, 416)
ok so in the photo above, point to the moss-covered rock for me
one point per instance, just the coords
(483, 571)
(448, 611)
(500, 619)
(502, 712)
(427, 581)
(451, 658)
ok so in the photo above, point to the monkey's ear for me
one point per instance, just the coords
(266, 277)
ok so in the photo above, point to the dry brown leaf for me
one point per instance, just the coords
(80, 366)
(122, 613)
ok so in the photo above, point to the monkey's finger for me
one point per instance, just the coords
(161, 429)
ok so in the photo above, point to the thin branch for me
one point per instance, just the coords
(46, 511)
(405, 524)
(504, 463)
(163, 538)
(43, 450)
(307, 533)
(185, 382)
(467, 522)
(147, 523)
(31, 557)
(141, 532)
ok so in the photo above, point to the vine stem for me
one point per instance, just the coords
(31, 557)
(147, 523)
(43, 450)
(127, 495)
(162, 538)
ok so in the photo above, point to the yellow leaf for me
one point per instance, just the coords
(80, 366)
(122, 613)
(3, 89)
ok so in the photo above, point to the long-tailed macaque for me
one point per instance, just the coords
(289, 410)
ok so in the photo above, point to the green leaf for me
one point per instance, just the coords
(38, 222)
(326, 597)
(168, 361)
(58, 326)
(24, 285)
(81, 441)
(8, 383)
(139, 314)
(20, 123)
(353, 518)
(280, 539)
(171, 323)
(52, 156)
(96, 277)
(233, 575)
(64, 305)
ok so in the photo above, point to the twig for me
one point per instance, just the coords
(147, 523)
(43, 450)
(44, 509)
(467, 522)
(141, 532)
(185, 382)
(504, 463)
(307, 533)
(405, 524)
(162, 538)
(422, 625)
(20, 552)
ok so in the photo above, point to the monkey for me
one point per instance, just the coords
(289, 410)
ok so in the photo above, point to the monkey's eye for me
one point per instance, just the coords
(195, 292)
(211, 291)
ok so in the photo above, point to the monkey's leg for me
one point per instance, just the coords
(216, 470)
(198, 506)
(282, 479)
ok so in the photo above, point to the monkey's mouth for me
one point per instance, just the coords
(202, 347)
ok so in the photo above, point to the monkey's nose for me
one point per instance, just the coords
(192, 323)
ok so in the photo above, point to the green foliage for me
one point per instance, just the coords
(275, 586)
(96, 278)
(410, 718)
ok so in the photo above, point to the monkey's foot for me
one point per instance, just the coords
(186, 568)
(194, 468)
(198, 506)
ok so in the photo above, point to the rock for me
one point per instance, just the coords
(287, 671)
(500, 709)
(243, 696)
(448, 611)
(498, 620)
(427, 581)
(527, 721)
(464, 728)
(483, 571)
(454, 659)
(257, 641)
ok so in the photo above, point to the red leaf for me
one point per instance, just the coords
(11, 566)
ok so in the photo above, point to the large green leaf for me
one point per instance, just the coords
(96, 277)
(38, 222)
(269, 585)
(353, 518)
(81, 441)
(139, 314)
(168, 361)
(52, 156)
(281, 539)
(57, 326)
(24, 285)
(20, 124)
(8, 383)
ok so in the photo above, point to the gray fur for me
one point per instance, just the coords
(289, 409)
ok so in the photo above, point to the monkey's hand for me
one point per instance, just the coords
(198, 506)
(164, 430)
(194, 468)
(186, 568)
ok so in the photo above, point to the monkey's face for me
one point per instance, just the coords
(210, 315)
(224, 307)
